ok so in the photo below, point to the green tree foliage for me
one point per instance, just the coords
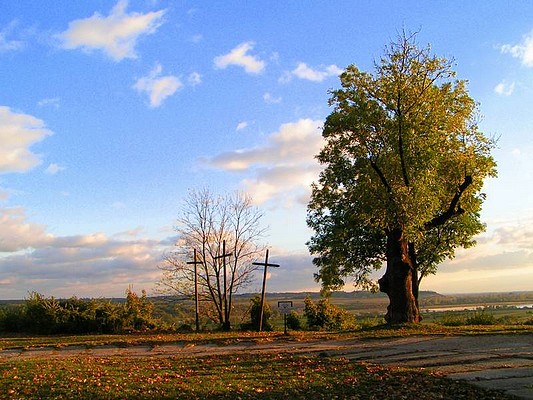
(324, 315)
(138, 311)
(255, 315)
(404, 167)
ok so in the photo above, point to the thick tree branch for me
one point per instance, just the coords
(381, 176)
(452, 210)
(400, 145)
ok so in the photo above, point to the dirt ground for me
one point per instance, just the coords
(502, 362)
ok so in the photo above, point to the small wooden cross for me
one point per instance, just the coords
(195, 262)
(223, 256)
(265, 264)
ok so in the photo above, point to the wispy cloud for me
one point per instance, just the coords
(158, 87)
(18, 132)
(116, 34)
(194, 79)
(239, 56)
(7, 44)
(522, 51)
(283, 168)
(504, 88)
(241, 125)
(304, 71)
(197, 38)
(49, 102)
(53, 169)
(271, 99)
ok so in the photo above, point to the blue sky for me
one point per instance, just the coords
(111, 111)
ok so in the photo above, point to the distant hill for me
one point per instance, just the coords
(427, 298)
(356, 294)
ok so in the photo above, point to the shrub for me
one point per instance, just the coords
(450, 319)
(138, 311)
(481, 318)
(255, 315)
(370, 322)
(11, 319)
(293, 321)
(42, 315)
(324, 315)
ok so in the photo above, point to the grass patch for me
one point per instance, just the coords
(225, 377)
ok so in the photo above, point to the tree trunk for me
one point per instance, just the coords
(400, 280)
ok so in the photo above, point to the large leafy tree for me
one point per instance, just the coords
(404, 164)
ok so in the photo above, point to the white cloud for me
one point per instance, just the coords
(238, 56)
(17, 133)
(16, 233)
(288, 185)
(158, 87)
(53, 169)
(51, 102)
(284, 167)
(82, 265)
(298, 266)
(135, 232)
(502, 254)
(303, 71)
(105, 269)
(87, 241)
(286, 77)
(194, 79)
(522, 51)
(241, 125)
(115, 34)
(504, 88)
(7, 44)
(270, 99)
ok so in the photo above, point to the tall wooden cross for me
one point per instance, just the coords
(266, 265)
(223, 257)
(195, 262)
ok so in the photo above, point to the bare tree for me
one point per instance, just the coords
(208, 223)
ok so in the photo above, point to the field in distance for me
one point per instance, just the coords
(362, 302)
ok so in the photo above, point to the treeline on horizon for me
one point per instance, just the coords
(427, 297)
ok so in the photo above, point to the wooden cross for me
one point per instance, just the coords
(266, 265)
(195, 262)
(223, 256)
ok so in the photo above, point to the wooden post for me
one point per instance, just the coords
(195, 262)
(263, 291)
(226, 324)
(284, 307)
